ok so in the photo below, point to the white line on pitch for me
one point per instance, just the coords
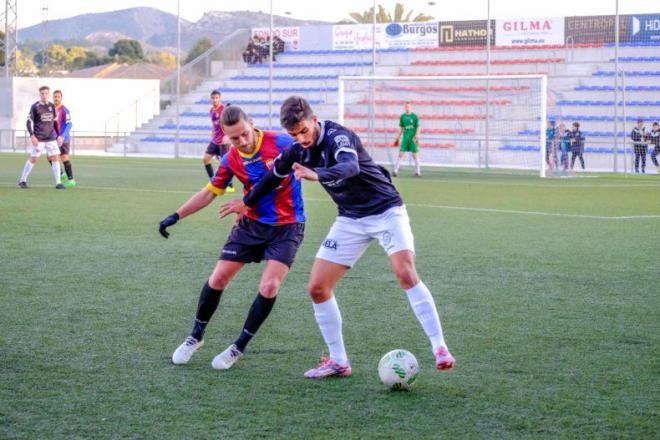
(416, 205)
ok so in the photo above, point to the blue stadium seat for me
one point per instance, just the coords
(249, 102)
(283, 77)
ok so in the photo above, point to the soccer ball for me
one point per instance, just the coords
(398, 370)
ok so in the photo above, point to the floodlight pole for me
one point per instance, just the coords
(178, 76)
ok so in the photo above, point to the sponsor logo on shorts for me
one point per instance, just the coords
(387, 240)
(330, 244)
(227, 251)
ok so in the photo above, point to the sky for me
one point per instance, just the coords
(32, 12)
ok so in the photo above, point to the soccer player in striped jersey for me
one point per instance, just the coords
(217, 147)
(370, 209)
(271, 230)
(64, 137)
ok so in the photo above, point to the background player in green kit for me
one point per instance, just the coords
(409, 129)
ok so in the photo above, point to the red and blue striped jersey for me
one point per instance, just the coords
(217, 127)
(63, 122)
(284, 204)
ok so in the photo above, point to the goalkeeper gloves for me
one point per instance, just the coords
(167, 222)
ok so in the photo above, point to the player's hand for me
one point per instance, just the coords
(301, 172)
(416, 139)
(167, 222)
(60, 141)
(232, 205)
(34, 140)
(396, 142)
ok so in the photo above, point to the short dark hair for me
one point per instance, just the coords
(640, 120)
(216, 92)
(294, 110)
(576, 124)
(44, 88)
(655, 123)
(232, 115)
(57, 91)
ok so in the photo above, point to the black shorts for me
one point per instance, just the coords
(217, 150)
(64, 148)
(251, 241)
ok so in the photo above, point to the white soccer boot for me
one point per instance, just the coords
(227, 358)
(185, 351)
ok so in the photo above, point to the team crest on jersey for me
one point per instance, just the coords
(330, 244)
(269, 163)
(332, 130)
(342, 141)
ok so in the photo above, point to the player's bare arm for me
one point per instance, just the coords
(302, 172)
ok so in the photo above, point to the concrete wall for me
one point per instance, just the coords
(95, 104)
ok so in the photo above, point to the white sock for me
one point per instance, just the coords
(396, 166)
(27, 168)
(56, 172)
(418, 168)
(328, 318)
(422, 304)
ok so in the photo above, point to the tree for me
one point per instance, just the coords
(76, 57)
(53, 58)
(24, 64)
(92, 59)
(163, 58)
(2, 52)
(127, 51)
(201, 46)
(383, 17)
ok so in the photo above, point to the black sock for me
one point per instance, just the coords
(209, 298)
(258, 313)
(209, 170)
(67, 168)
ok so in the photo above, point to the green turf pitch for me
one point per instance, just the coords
(548, 292)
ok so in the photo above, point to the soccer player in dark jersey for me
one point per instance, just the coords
(370, 208)
(42, 126)
(654, 139)
(271, 230)
(408, 138)
(638, 136)
(217, 147)
(576, 140)
(64, 137)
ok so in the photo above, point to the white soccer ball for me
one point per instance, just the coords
(398, 370)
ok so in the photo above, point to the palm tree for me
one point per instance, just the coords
(384, 17)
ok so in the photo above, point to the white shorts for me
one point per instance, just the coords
(51, 149)
(350, 237)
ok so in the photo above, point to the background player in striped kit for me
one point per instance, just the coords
(64, 137)
(271, 230)
(42, 126)
(217, 147)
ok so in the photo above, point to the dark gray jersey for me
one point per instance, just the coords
(42, 121)
(347, 172)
